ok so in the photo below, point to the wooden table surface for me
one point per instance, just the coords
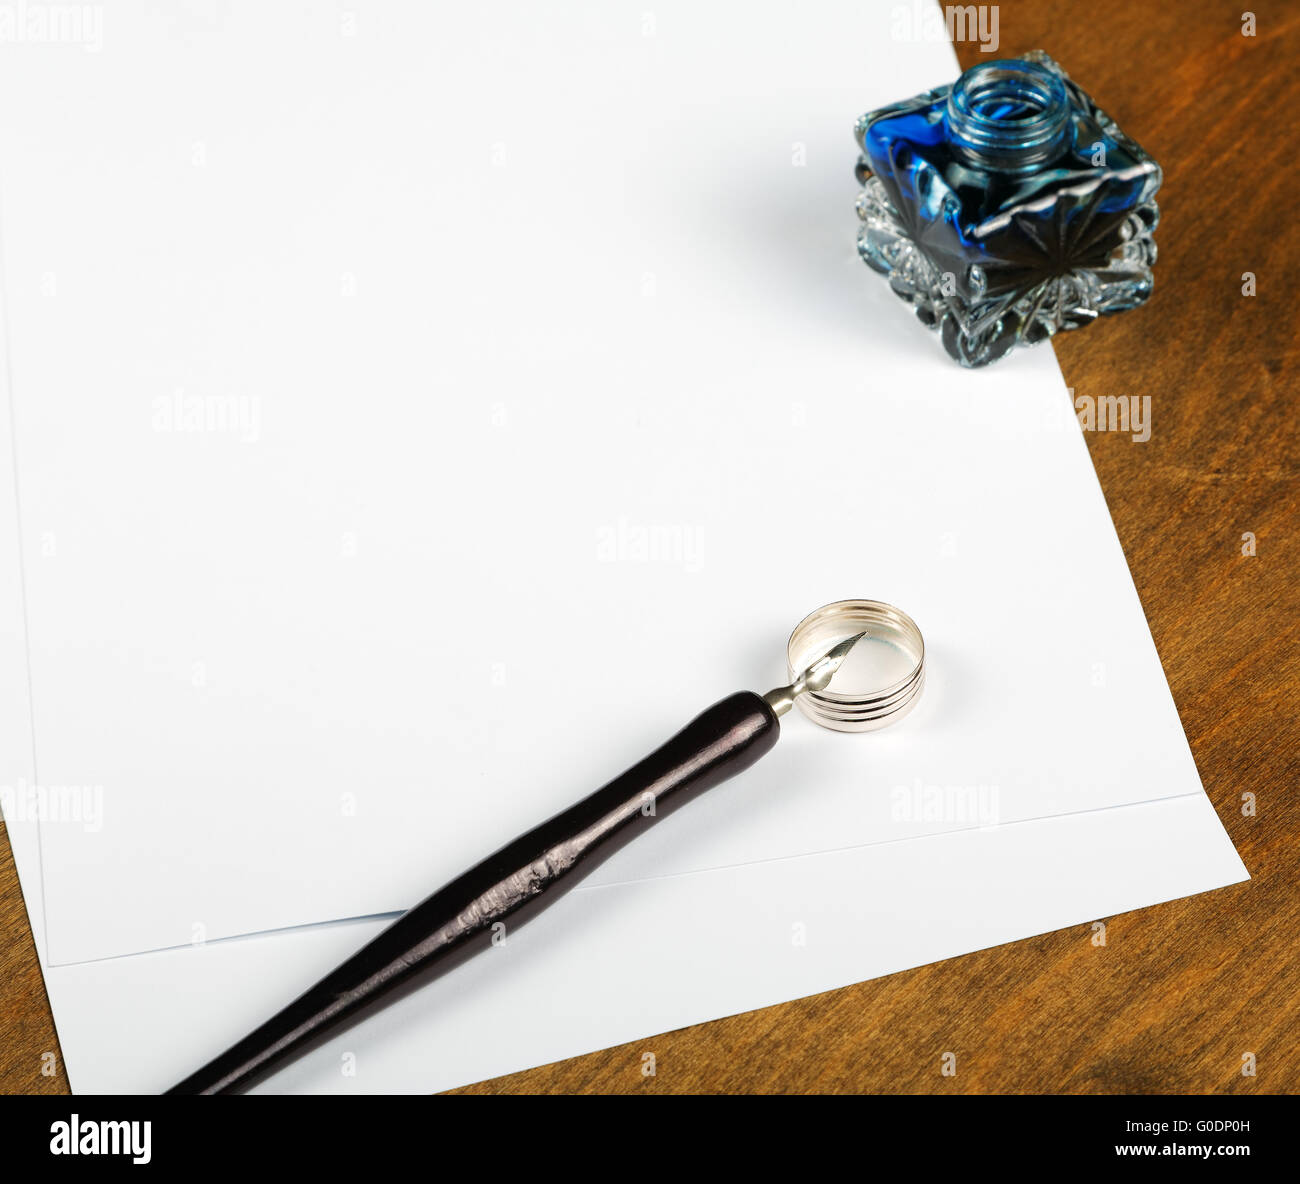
(1180, 991)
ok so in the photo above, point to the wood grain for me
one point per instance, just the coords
(1180, 991)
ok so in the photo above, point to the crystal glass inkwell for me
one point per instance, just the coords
(1006, 207)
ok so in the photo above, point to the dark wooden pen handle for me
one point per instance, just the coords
(506, 889)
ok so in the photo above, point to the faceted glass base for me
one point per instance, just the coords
(979, 331)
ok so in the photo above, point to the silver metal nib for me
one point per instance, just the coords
(816, 677)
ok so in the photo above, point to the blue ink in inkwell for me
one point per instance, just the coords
(1006, 207)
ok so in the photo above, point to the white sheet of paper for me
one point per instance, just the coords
(624, 962)
(420, 414)
(209, 768)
